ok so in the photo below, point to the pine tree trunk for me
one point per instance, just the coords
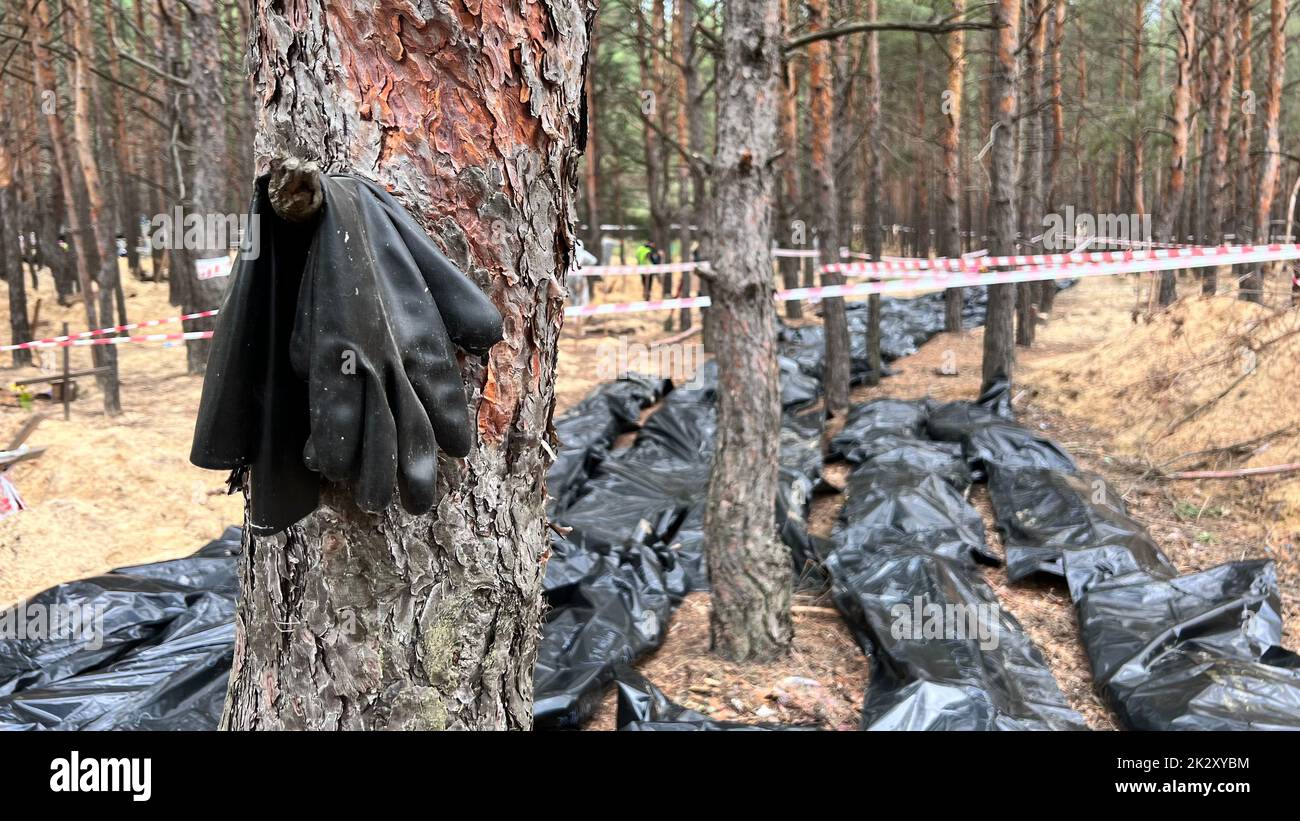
(1031, 176)
(1055, 118)
(1177, 180)
(683, 34)
(789, 188)
(206, 188)
(360, 621)
(127, 189)
(951, 232)
(1272, 161)
(875, 189)
(96, 211)
(835, 370)
(38, 23)
(999, 347)
(11, 264)
(1225, 70)
(1252, 283)
(591, 166)
(749, 567)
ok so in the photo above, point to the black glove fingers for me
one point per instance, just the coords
(337, 415)
(417, 454)
(472, 321)
(377, 466)
(443, 396)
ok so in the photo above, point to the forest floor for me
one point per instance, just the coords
(118, 491)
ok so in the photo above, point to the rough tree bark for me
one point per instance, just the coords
(1177, 180)
(835, 371)
(999, 347)
(950, 236)
(749, 567)
(355, 620)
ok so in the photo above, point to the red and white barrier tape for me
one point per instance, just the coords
(973, 264)
(796, 253)
(638, 307)
(126, 340)
(52, 341)
(644, 270)
(946, 279)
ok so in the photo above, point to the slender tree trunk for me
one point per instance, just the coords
(1177, 180)
(1272, 160)
(1137, 137)
(371, 621)
(1056, 117)
(788, 197)
(96, 211)
(208, 175)
(591, 167)
(1031, 176)
(38, 23)
(697, 126)
(835, 376)
(875, 178)
(127, 188)
(1226, 34)
(999, 348)
(749, 568)
(1252, 283)
(11, 263)
(650, 35)
(950, 245)
(683, 34)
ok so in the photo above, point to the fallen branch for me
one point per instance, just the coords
(809, 610)
(1235, 474)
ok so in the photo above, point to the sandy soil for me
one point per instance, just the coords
(119, 491)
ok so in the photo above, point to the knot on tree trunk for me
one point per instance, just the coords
(295, 189)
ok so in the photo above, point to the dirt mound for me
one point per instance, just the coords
(1209, 384)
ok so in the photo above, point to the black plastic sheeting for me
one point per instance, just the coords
(642, 707)
(1200, 651)
(587, 431)
(634, 546)
(906, 566)
(905, 324)
(157, 658)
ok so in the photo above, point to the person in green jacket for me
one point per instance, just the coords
(647, 254)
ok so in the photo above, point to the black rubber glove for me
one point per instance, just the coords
(253, 414)
(372, 342)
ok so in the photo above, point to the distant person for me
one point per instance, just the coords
(579, 285)
(648, 254)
